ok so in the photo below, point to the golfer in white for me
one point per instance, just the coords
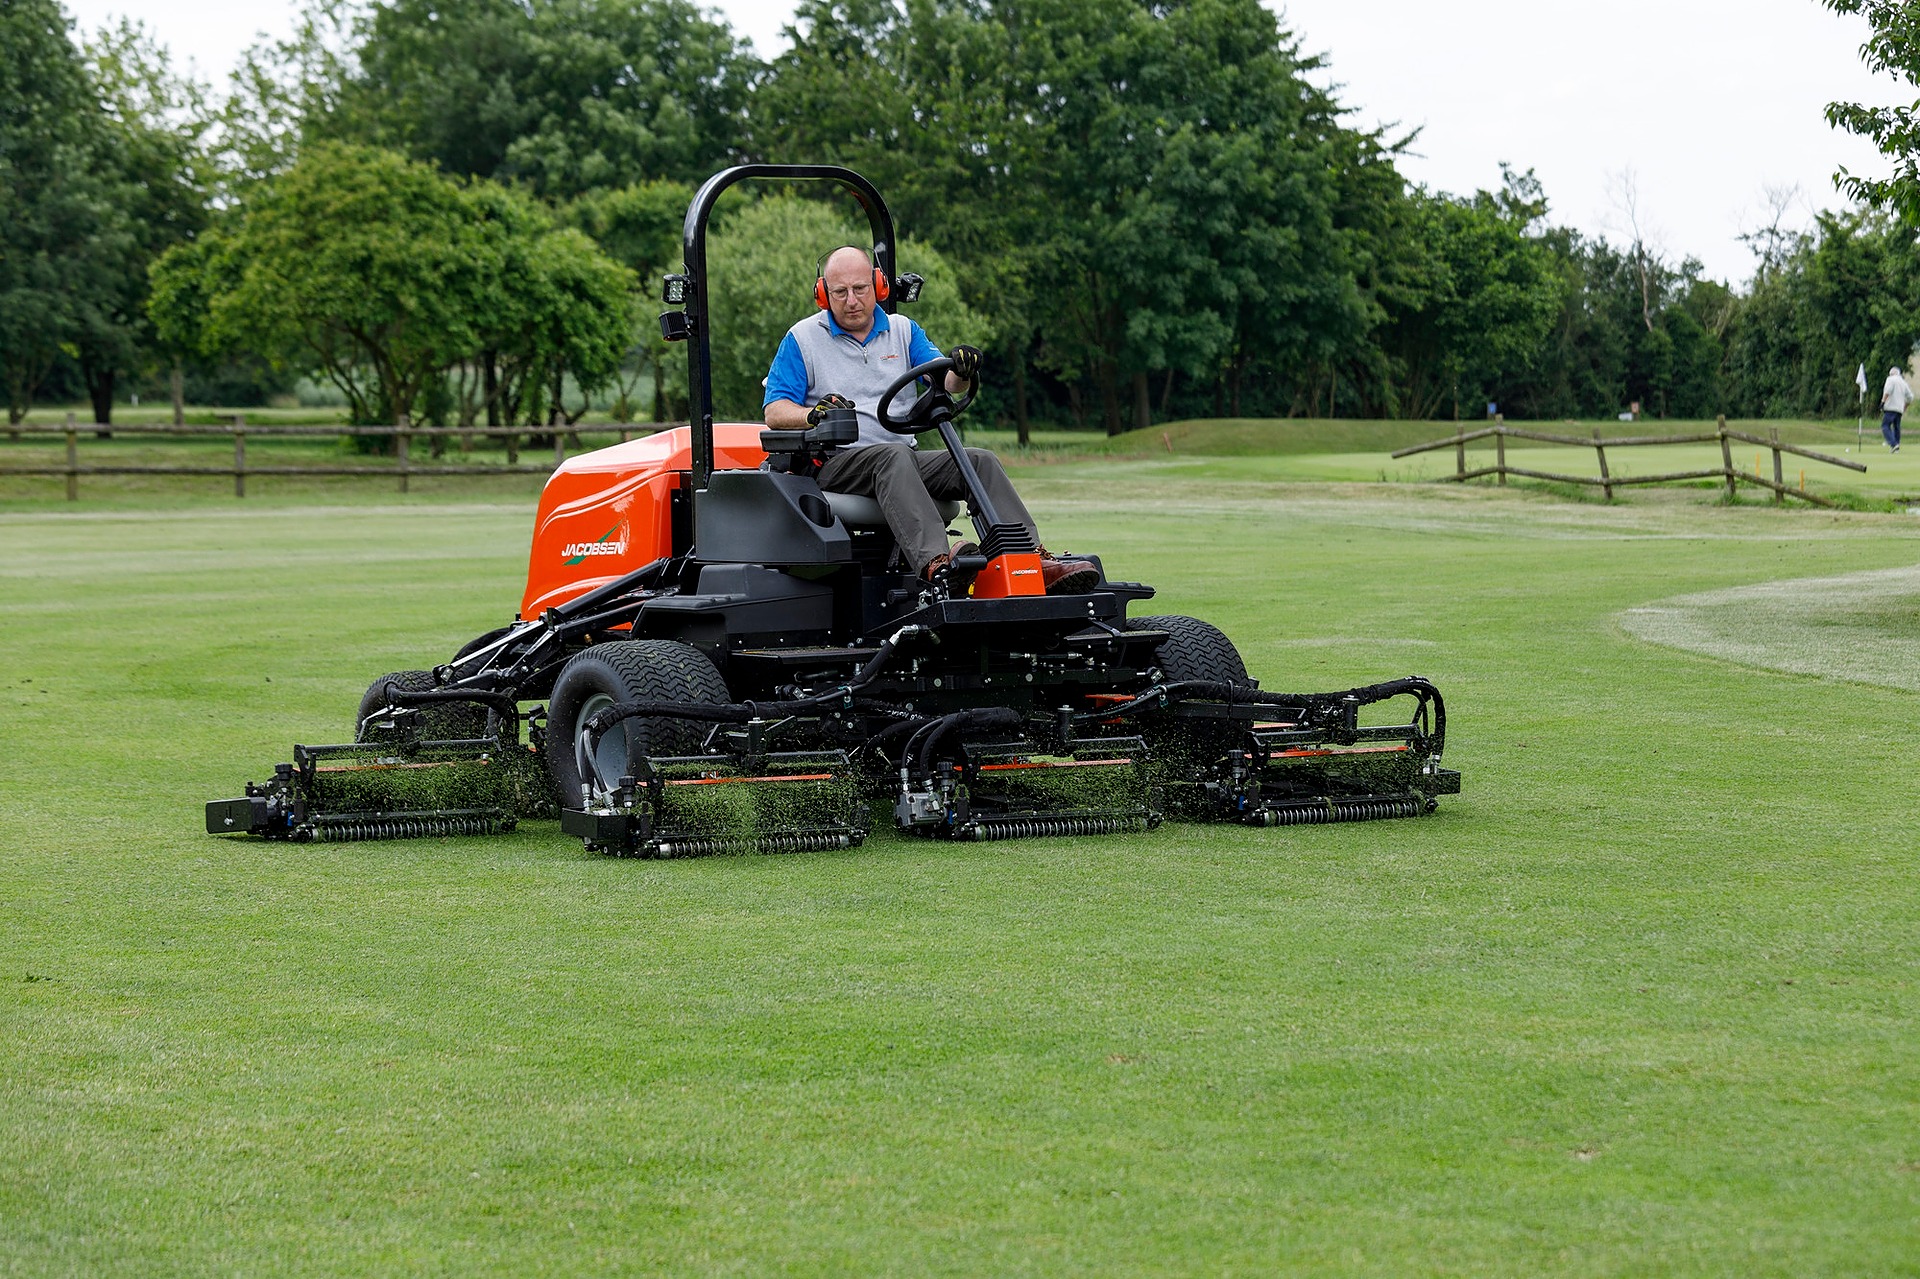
(1894, 398)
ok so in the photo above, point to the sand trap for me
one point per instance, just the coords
(1863, 627)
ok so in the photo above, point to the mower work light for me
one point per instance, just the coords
(673, 290)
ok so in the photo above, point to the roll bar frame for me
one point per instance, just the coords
(694, 253)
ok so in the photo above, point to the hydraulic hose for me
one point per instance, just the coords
(1313, 706)
(921, 746)
(732, 712)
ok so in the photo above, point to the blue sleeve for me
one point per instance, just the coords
(920, 347)
(787, 379)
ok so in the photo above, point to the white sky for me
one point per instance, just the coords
(1706, 102)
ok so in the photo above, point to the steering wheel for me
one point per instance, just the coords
(930, 410)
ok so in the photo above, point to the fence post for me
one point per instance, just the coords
(239, 454)
(559, 448)
(1779, 480)
(513, 449)
(1500, 446)
(1460, 453)
(1726, 456)
(1606, 476)
(73, 461)
(401, 449)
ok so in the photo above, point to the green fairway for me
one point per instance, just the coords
(1642, 1000)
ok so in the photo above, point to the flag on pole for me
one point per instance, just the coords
(1860, 379)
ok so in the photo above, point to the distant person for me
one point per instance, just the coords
(1894, 398)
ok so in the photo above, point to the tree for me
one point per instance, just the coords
(153, 162)
(1133, 186)
(639, 226)
(1893, 47)
(1486, 296)
(58, 216)
(566, 96)
(383, 276)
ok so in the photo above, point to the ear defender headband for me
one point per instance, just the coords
(880, 289)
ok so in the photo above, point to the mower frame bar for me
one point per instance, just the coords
(694, 254)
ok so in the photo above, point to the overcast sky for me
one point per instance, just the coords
(1706, 103)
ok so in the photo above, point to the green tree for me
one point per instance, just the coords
(565, 96)
(60, 222)
(383, 276)
(761, 263)
(154, 163)
(1892, 47)
(639, 226)
(1136, 188)
(1485, 298)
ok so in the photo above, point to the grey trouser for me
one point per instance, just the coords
(904, 482)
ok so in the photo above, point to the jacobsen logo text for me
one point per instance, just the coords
(611, 542)
(580, 550)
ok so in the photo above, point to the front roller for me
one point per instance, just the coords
(1231, 752)
(424, 762)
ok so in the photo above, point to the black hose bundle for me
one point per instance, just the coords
(742, 712)
(1320, 709)
(921, 745)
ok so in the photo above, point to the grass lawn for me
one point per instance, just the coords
(1641, 1001)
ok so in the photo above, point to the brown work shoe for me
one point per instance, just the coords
(1067, 577)
(934, 565)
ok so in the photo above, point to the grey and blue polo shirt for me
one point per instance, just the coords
(818, 358)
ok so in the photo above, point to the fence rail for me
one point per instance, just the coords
(1606, 481)
(402, 469)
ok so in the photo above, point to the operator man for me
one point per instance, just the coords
(847, 355)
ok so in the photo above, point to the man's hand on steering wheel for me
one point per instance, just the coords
(966, 362)
(826, 406)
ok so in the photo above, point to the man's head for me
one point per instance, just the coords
(848, 279)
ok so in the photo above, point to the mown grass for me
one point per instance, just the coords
(1639, 1001)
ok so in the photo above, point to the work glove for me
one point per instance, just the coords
(826, 406)
(966, 362)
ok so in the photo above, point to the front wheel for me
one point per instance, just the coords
(441, 721)
(1193, 650)
(626, 671)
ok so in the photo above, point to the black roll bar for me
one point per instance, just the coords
(694, 251)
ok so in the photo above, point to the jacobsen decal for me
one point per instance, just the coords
(575, 552)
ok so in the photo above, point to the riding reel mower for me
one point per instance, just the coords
(714, 655)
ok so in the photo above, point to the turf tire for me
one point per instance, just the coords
(1194, 650)
(627, 671)
(446, 721)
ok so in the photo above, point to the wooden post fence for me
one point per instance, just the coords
(244, 464)
(1607, 481)
(1726, 457)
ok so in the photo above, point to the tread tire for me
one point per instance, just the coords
(447, 721)
(1198, 650)
(628, 671)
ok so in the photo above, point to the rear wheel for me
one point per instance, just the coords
(1193, 650)
(444, 721)
(627, 671)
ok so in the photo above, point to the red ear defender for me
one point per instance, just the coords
(881, 289)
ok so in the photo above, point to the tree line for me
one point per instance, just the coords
(1142, 209)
